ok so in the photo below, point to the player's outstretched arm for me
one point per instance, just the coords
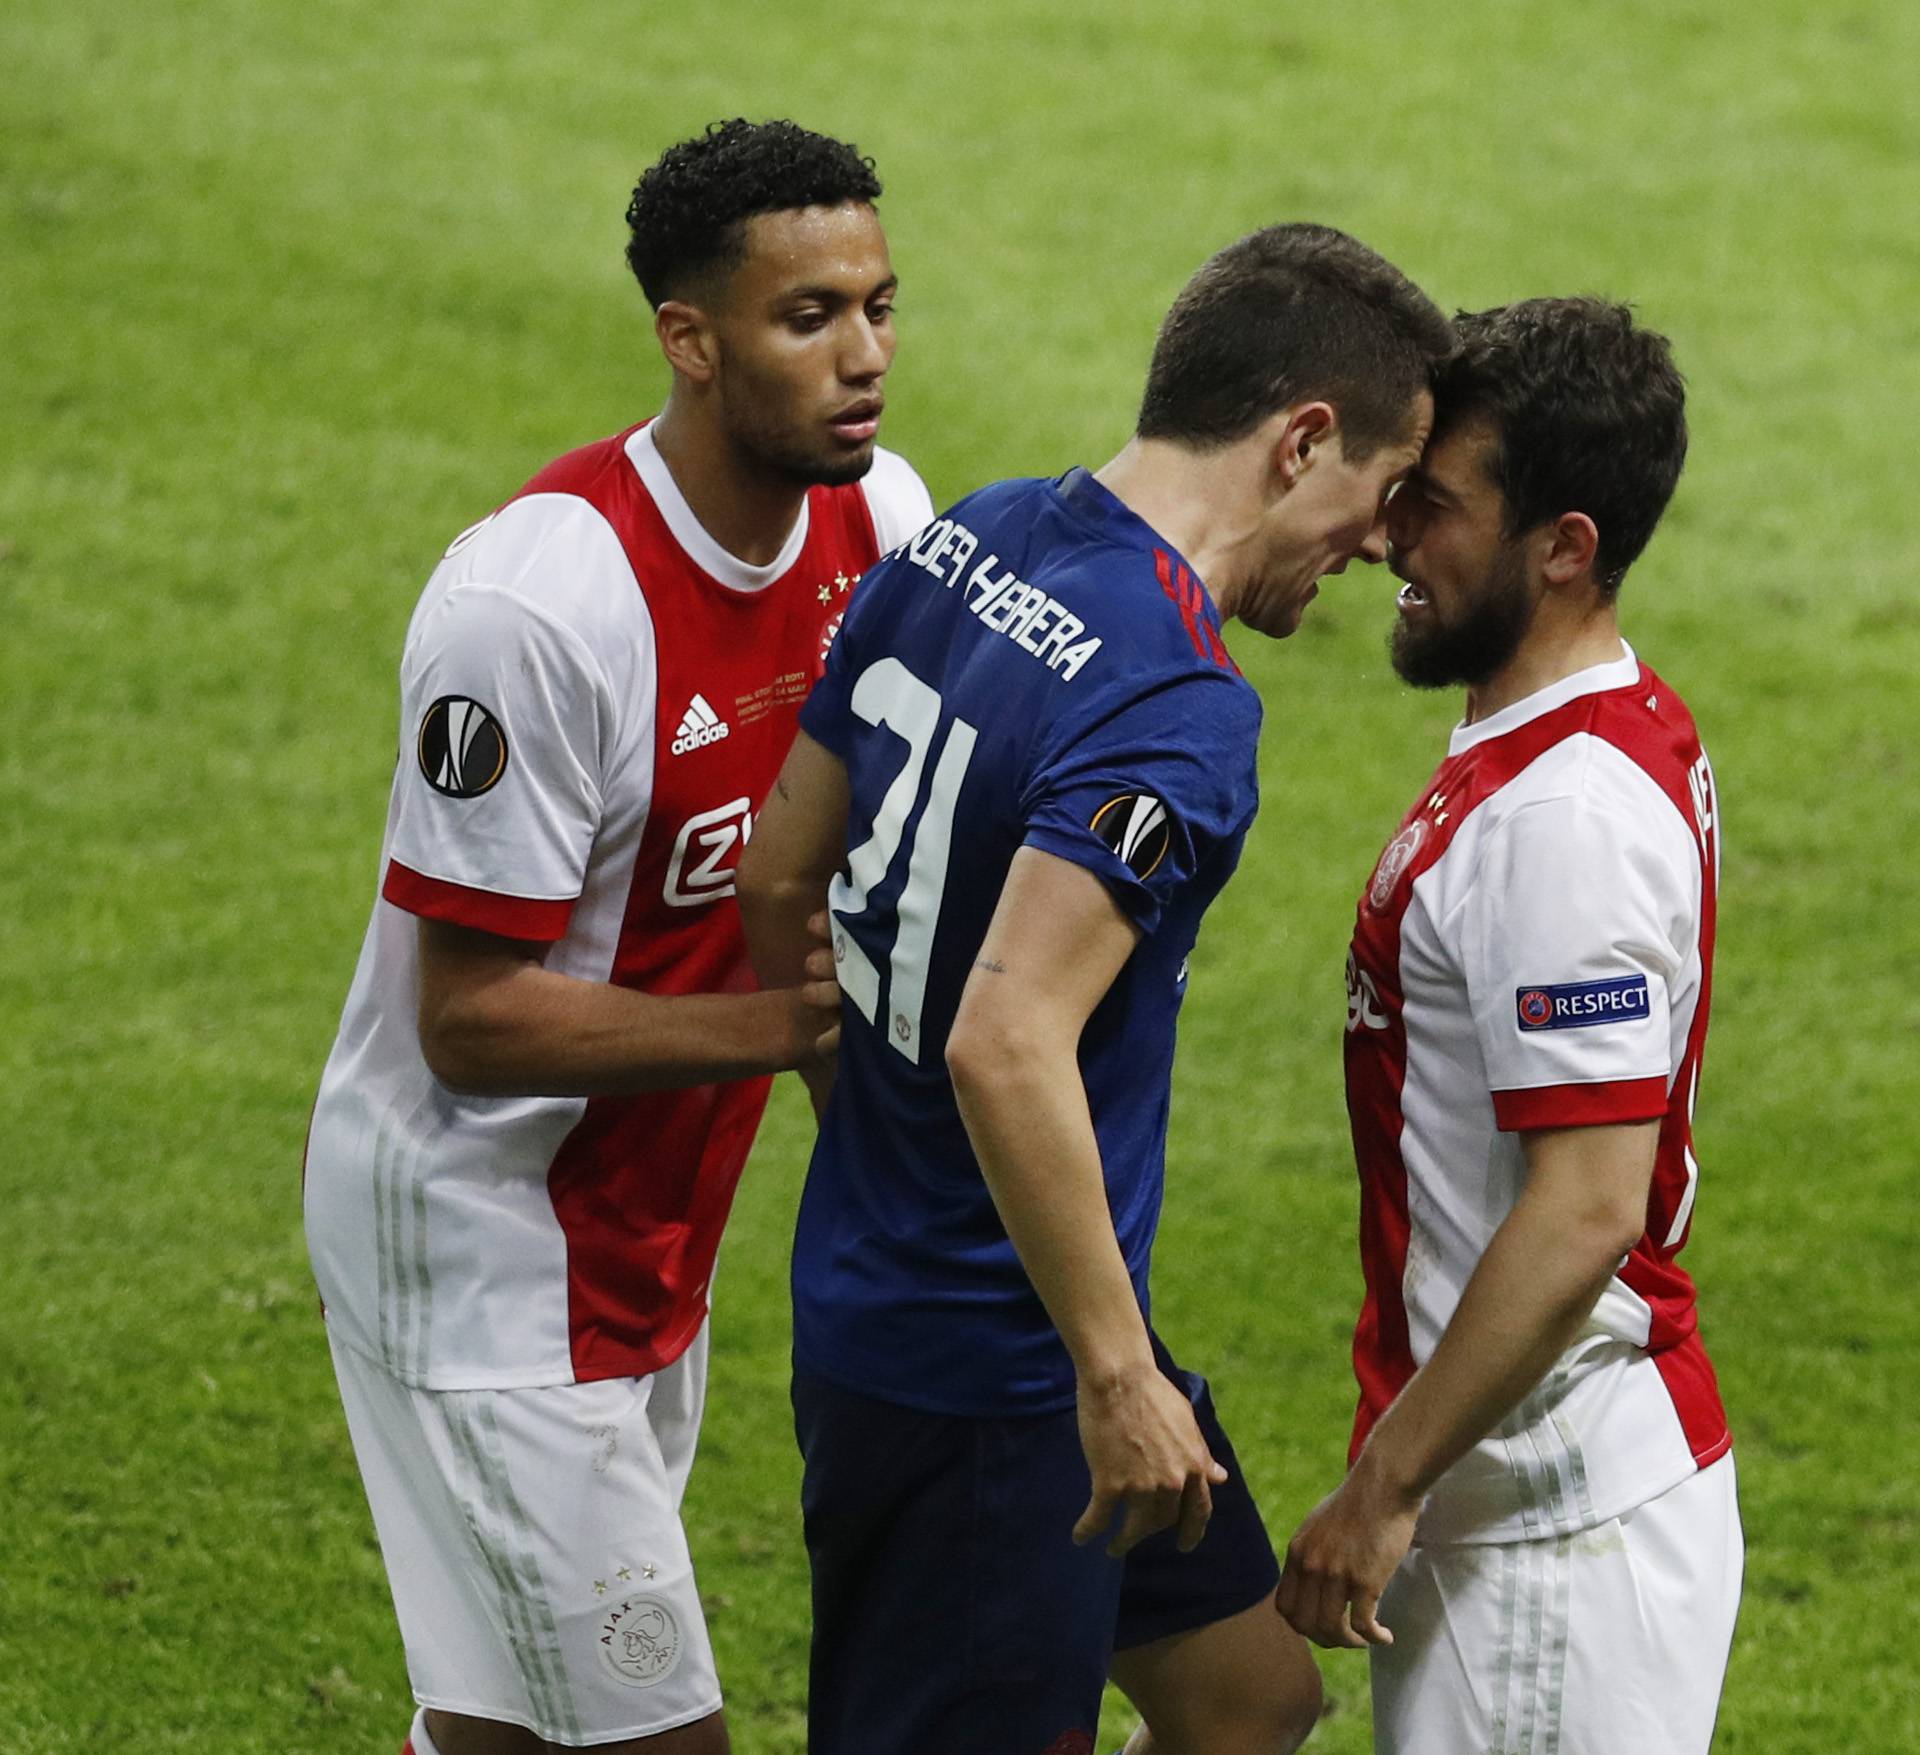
(1056, 942)
(799, 840)
(1584, 1206)
(495, 1022)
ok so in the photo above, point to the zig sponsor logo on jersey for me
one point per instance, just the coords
(705, 852)
(462, 748)
(1579, 1005)
(699, 726)
(1135, 826)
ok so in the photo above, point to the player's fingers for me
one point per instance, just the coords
(820, 965)
(1331, 1617)
(1196, 1507)
(823, 994)
(820, 926)
(1148, 1513)
(827, 1044)
(1096, 1517)
(1365, 1619)
(1287, 1597)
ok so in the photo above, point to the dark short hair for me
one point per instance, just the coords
(689, 211)
(1589, 414)
(1291, 314)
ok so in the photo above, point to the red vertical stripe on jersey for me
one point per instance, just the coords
(1163, 569)
(1667, 747)
(1189, 596)
(1376, 1069)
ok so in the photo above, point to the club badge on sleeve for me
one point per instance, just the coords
(463, 748)
(1135, 826)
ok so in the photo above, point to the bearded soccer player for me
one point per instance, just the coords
(1538, 1535)
(1035, 757)
(553, 1058)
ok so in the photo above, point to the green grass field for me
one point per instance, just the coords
(291, 293)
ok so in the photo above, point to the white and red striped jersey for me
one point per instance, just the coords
(595, 697)
(1535, 949)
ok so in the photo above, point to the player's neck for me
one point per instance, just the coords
(1187, 497)
(1558, 645)
(747, 508)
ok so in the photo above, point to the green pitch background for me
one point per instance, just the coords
(289, 293)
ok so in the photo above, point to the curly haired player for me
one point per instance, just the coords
(553, 1060)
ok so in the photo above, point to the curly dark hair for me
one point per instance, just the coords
(1589, 414)
(688, 212)
(1288, 314)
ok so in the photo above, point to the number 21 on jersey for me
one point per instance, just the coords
(889, 694)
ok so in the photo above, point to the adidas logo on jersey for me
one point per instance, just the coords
(699, 726)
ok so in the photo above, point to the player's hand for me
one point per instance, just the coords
(1342, 1557)
(1147, 1456)
(816, 1002)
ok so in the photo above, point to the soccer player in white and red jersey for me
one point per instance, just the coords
(1538, 1534)
(553, 1058)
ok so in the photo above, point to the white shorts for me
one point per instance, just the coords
(1609, 1641)
(533, 1543)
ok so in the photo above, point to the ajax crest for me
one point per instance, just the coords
(1401, 852)
(640, 1641)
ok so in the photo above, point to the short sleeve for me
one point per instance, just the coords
(1145, 789)
(497, 798)
(1569, 939)
(897, 499)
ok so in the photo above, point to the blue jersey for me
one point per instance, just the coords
(1037, 668)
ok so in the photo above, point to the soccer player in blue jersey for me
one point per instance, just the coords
(1029, 768)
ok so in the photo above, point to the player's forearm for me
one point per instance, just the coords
(1533, 1290)
(1025, 1110)
(774, 912)
(533, 1033)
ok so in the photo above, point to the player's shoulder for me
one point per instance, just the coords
(1629, 748)
(1603, 793)
(896, 498)
(549, 556)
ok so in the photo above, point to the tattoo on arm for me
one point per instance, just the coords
(988, 964)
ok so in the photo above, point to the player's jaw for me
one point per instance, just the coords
(1342, 517)
(806, 432)
(1463, 631)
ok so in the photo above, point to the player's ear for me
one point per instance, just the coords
(1303, 430)
(1572, 541)
(687, 339)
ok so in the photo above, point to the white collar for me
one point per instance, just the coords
(1596, 679)
(691, 534)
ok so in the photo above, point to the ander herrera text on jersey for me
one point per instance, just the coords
(1037, 669)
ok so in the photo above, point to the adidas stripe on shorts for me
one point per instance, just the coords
(1608, 1641)
(532, 1539)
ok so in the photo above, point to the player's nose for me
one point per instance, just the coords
(1373, 548)
(867, 354)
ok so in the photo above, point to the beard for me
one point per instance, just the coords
(1478, 643)
(782, 451)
